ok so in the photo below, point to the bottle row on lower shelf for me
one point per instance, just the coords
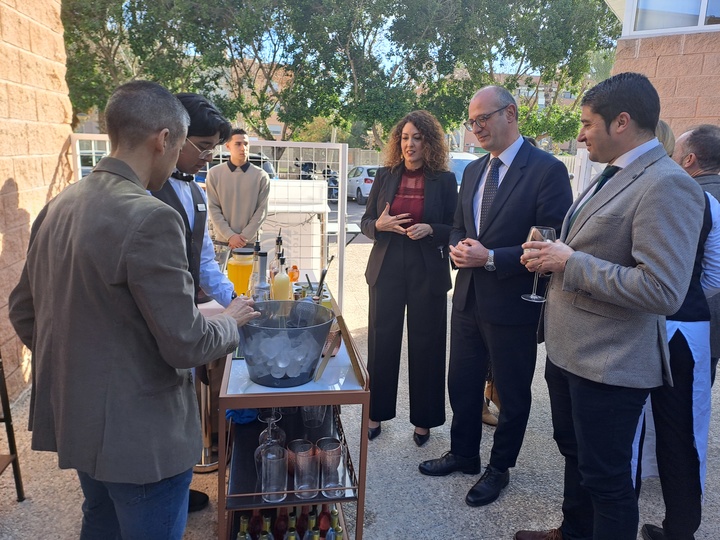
(279, 525)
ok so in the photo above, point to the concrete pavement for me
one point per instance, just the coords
(400, 502)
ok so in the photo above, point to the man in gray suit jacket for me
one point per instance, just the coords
(624, 260)
(106, 305)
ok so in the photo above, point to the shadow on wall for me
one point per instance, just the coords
(15, 232)
(15, 225)
(63, 173)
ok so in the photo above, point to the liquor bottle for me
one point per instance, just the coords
(267, 529)
(243, 534)
(261, 292)
(302, 522)
(292, 522)
(323, 520)
(264, 536)
(334, 518)
(291, 534)
(339, 533)
(316, 534)
(255, 274)
(275, 263)
(281, 288)
(255, 526)
(281, 524)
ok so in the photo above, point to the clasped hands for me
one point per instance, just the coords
(545, 257)
(237, 241)
(387, 223)
(469, 253)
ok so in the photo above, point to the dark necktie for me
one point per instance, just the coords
(491, 187)
(606, 175)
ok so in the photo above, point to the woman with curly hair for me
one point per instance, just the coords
(409, 215)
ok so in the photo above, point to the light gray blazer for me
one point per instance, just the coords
(635, 243)
(105, 303)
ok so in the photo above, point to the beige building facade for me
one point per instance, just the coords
(685, 69)
(677, 46)
(35, 114)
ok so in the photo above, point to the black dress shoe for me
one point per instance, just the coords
(652, 532)
(197, 501)
(373, 432)
(421, 439)
(488, 488)
(450, 463)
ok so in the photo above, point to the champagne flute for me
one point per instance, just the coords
(538, 234)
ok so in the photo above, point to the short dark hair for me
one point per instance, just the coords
(627, 92)
(237, 131)
(139, 109)
(205, 119)
(704, 142)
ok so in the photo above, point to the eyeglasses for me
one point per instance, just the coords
(204, 154)
(482, 120)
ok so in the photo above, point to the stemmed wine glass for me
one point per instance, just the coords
(538, 234)
(271, 435)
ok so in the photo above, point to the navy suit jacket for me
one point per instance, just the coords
(440, 203)
(535, 191)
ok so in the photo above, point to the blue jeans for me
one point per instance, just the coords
(114, 511)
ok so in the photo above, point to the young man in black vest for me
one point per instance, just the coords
(208, 129)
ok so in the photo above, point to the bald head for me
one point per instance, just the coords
(698, 150)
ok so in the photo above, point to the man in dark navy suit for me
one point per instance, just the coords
(501, 197)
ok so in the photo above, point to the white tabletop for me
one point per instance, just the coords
(338, 375)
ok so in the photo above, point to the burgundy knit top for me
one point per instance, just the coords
(410, 196)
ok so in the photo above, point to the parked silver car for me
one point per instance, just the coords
(360, 180)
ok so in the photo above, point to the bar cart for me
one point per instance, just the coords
(344, 381)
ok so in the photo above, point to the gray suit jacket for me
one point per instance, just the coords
(635, 244)
(105, 303)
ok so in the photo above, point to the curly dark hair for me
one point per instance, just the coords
(435, 149)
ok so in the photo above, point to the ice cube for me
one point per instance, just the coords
(277, 372)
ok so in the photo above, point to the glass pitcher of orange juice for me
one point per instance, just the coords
(239, 268)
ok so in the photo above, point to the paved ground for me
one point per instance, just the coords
(400, 503)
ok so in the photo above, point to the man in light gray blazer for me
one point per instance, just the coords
(106, 304)
(624, 261)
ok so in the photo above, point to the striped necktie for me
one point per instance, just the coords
(490, 190)
(606, 175)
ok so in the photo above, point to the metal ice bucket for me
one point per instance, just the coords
(283, 346)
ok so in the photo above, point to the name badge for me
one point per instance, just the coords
(201, 207)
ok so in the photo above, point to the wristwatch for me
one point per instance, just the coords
(490, 264)
(233, 296)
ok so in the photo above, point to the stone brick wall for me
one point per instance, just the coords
(35, 116)
(684, 68)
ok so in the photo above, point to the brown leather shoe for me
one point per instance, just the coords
(488, 418)
(491, 394)
(553, 534)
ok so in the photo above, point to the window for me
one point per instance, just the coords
(658, 15)
(712, 14)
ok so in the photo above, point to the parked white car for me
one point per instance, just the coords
(360, 180)
(458, 162)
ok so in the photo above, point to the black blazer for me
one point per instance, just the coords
(535, 191)
(440, 203)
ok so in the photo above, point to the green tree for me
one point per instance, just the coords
(110, 42)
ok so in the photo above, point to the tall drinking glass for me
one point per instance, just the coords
(538, 234)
